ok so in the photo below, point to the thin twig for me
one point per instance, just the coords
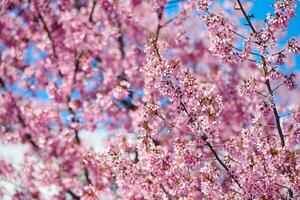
(261, 94)
(290, 192)
(251, 60)
(278, 86)
(256, 54)
(169, 21)
(274, 54)
(242, 36)
(238, 34)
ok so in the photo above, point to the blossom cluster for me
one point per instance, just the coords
(188, 106)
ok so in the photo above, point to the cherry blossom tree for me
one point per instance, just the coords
(194, 105)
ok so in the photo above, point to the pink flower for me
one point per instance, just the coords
(293, 46)
(289, 81)
(89, 192)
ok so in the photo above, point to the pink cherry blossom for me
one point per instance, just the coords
(128, 100)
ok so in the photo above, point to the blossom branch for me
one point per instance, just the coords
(21, 120)
(204, 137)
(267, 82)
(28, 136)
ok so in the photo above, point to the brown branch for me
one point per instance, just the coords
(30, 140)
(87, 176)
(73, 195)
(277, 87)
(28, 136)
(159, 26)
(246, 16)
(92, 11)
(2, 83)
(277, 118)
(156, 49)
(289, 190)
(21, 120)
(238, 34)
(77, 5)
(48, 34)
(120, 40)
(73, 119)
(165, 191)
(72, 111)
(261, 94)
(211, 148)
(274, 54)
(156, 36)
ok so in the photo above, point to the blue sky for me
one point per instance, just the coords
(260, 8)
